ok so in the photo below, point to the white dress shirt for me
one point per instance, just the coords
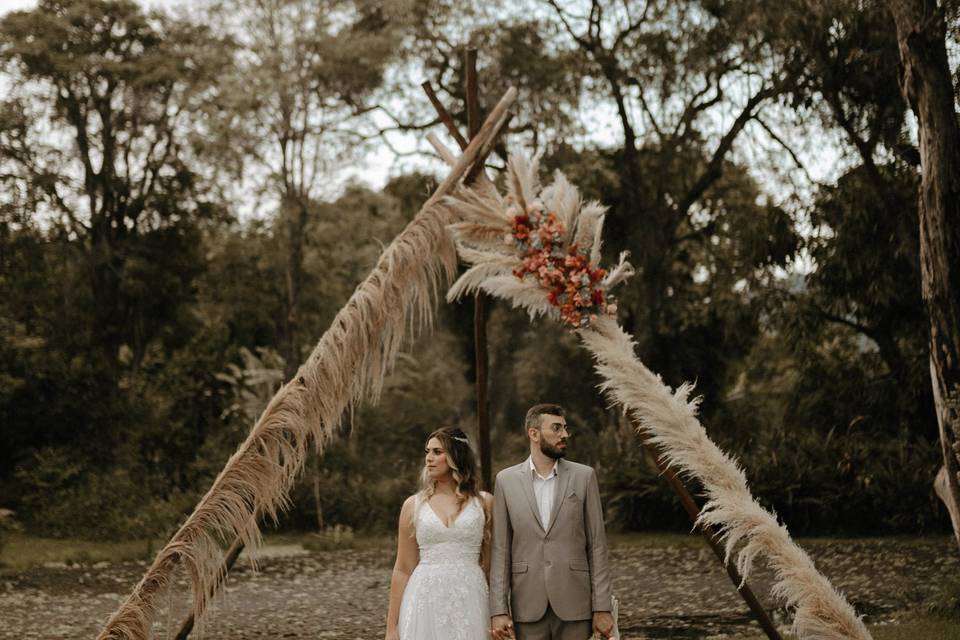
(543, 491)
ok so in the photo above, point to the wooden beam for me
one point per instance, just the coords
(228, 561)
(480, 352)
(713, 540)
(444, 115)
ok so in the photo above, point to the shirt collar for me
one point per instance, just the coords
(553, 472)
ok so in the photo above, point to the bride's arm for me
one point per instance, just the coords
(487, 534)
(408, 555)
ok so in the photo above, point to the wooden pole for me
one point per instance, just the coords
(480, 352)
(444, 115)
(480, 349)
(228, 561)
(713, 540)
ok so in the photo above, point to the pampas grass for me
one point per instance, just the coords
(348, 365)
(667, 418)
(747, 529)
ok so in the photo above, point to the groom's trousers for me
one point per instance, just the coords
(550, 627)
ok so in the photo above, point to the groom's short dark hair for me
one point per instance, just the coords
(532, 421)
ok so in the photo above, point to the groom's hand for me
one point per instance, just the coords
(603, 623)
(501, 627)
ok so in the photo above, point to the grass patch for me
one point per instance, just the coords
(333, 539)
(656, 540)
(22, 552)
(913, 629)
(695, 540)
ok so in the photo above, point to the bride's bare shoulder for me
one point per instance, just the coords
(409, 504)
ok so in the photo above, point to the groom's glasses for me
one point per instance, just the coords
(559, 428)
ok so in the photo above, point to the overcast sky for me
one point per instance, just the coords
(820, 155)
(11, 5)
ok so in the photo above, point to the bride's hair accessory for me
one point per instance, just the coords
(463, 440)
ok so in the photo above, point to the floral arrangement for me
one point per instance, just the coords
(572, 282)
(541, 246)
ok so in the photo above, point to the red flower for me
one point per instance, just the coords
(560, 276)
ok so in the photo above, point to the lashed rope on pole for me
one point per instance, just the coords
(347, 365)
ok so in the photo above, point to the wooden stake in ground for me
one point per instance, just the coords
(689, 505)
(480, 353)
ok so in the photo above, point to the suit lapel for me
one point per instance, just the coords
(560, 491)
(526, 481)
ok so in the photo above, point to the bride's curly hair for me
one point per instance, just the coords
(460, 459)
(463, 467)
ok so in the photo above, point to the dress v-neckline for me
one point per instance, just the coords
(440, 520)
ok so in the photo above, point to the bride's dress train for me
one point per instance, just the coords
(446, 595)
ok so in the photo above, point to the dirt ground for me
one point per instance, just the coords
(666, 591)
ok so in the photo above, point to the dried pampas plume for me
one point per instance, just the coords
(347, 365)
(667, 418)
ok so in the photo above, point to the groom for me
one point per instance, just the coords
(548, 573)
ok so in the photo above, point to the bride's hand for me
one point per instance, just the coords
(502, 627)
(392, 634)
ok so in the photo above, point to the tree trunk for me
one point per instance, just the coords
(926, 85)
(295, 215)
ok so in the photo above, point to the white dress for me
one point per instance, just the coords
(446, 595)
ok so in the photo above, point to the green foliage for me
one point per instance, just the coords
(8, 524)
(64, 497)
(142, 330)
(946, 604)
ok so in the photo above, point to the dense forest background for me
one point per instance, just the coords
(187, 199)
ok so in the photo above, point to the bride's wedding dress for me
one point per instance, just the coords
(446, 595)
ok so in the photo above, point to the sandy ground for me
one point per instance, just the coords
(666, 591)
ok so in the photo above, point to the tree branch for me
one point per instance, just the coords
(714, 167)
(786, 148)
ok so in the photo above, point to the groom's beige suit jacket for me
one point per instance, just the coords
(565, 564)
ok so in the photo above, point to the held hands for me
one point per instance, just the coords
(501, 627)
(603, 624)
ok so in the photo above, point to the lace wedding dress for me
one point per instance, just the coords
(446, 596)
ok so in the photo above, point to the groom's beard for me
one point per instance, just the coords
(551, 451)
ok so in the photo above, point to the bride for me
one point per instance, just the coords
(438, 590)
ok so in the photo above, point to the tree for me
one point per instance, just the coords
(299, 81)
(854, 64)
(103, 214)
(95, 139)
(927, 86)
